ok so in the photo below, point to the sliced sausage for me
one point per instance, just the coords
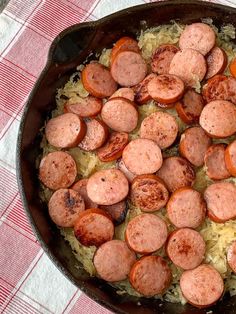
(141, 95)
(189, 65)
(162, 57)
(120, 114)
(186, 248)
(124, 92)
(124, 43)
(64, 207)
(142, 156)
(65, 131)
(148, 192)
(214, 161)
(114, 147)
(96, 135)
(186, 208)
(150, 275)
(231, 256)
(176, 172)
(214, 90)
(128, 68)
(218, 119)
(202, 286)
(221, 199)
(121, 166)
(161, 127)
(107, 187)
(117, 211)
(232, 67)
(81, 187)
(166, 88)
(84, 107)
(220, 87)
(93, 227)
(216, 62)
(57, 170)
(113, 260)
(97, 80)
(198, 36)
(190, 107)
(193, 145)
(146, 233)
(230, 158)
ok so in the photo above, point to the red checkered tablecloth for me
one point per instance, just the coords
(29, 282)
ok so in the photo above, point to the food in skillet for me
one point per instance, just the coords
(139, 164)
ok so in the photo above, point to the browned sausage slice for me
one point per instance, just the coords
(202, 286)
(128, 68)
(84, 107)
(142, 156)
(57, 170)
(214, 161)
(218, 118)
(231, 256)
(216, 62)
(230, 158)
(124, 43)
(161, 127)
(141, 91)
(121, 166)
(189, 65)
(198, 36)
(220, 87)
(93, 227)
(146, 233)
(190, 107)
(113, 260)
(150, 275)
(176, 172)
(120, 114)
(81, 187)
(114, 147)
(166, 88)
(65, 131)
(186, 208)
(148, 192)
(162, 57)
(107, 187)
(124, 92)
(186, 248)
(97, 80)
(193, 145)
(221, 199)
(64, 207)
(96, 135)
(214, 90)
(117, 211)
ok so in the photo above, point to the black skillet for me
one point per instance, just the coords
(70, 48)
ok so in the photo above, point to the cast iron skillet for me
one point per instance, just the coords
(69, 49)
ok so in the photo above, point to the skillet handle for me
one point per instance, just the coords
(71, 43)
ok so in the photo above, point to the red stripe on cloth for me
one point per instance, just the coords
(18, 217)
(29, 53)
(44, 19)
(4, 293)
(8, 189)
(85, 305)
(22, 8)
(14, 87)
(18, 303)
(22, 251)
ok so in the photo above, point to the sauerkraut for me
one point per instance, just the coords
(217, 236)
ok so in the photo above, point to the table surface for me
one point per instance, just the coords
(29, 282)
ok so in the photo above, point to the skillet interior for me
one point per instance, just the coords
(69, 49)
